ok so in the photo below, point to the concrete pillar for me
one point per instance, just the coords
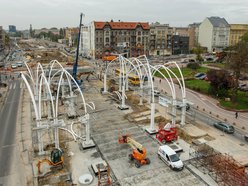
(183, 113)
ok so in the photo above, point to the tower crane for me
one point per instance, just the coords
(138, 154)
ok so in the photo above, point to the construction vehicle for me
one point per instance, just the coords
(57, 160)
(75, 64)
(167, 134)
(139, 152)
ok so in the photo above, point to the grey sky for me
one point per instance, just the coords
(62, 13)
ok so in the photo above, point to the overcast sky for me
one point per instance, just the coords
(65, 13)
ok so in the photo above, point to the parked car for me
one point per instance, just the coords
(156, 93)
(13, 66)
(170, 157)
(225, 127)
(200, 75)
(179, 106)
(19, 64)
(243, 87)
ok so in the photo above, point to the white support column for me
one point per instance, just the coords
(105, 84)
(151, 129)
(88, 143)
(127, 88)
(174, 112)
(141, 94)
(40, 141)
(56, 137)
(123, 97)
(120, 82)
(183, 113)
(152, 116)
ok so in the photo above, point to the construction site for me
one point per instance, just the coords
(109, 143)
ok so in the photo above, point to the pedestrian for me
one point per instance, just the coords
(236, 115)
(160, 81)
(152, 78)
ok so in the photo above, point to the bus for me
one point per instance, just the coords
(133, 79)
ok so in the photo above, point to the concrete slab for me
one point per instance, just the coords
(193, 131)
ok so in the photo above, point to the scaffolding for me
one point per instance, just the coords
(221, 167)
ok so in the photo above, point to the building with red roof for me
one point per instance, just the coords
(105, 38)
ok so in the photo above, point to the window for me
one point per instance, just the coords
(139, 33)
(107, 40)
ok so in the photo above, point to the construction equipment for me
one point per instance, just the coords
(167, 134)
(109, 58)
(75, 64)
(57, 160)
(104, 176)
(139, 152)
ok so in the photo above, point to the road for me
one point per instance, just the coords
(208, 104)
(9, 169)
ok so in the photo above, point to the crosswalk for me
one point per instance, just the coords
(15, 85)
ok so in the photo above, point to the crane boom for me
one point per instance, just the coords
(75, 65)
(134, 144)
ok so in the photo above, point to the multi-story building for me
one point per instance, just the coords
(214, 34)
(12, 28)
(178, 44)
(104, 38)
(71, 34)
(193, 30)
(236, 32)
(158, 39)
(2, 38)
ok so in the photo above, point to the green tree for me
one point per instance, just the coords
(245, 37)
(237, 63)
(198, 51)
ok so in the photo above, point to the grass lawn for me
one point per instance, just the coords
(198, 85)
(242, 102)
(187, 72)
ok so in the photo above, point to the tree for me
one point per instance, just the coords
(237, 63)
(245, 37)
(198, 51)
(220, 82)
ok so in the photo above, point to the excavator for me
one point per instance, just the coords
(139, 152)
(57, 160)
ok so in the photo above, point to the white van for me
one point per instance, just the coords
(170, 157)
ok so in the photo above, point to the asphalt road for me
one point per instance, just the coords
(8, 118)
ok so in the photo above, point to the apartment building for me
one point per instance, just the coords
(236, 32)
(158, 39)
(193, 30)
(2, 38)
(214, 34)
(105, 38)
(71, 34)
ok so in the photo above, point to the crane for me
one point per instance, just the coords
(75, 64)
(138, 154)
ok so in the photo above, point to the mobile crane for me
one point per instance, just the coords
(57, 160)
(75, 64)
(139, 152)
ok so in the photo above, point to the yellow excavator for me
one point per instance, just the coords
(57, 160)
(139, 152)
